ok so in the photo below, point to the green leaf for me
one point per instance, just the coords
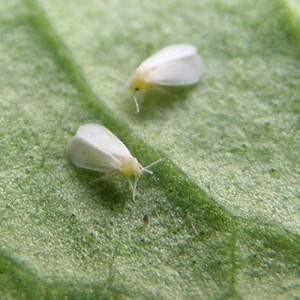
(223, 206)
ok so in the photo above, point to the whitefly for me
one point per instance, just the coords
(96, 148)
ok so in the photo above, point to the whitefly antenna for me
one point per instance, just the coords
(136, 102)
(135, 99)
(133, 186)
(147, 168)
(117, 78)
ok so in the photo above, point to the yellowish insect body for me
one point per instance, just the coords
(139, 82)
(130, 167)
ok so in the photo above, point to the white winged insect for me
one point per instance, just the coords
(96, 148)
(174, 65)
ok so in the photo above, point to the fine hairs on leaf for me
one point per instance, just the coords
(214, 218)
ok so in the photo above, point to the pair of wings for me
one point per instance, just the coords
(174, 65)
(94, 147)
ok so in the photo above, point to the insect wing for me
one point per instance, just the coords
(167, 54)
(103, 140)
(87, 156)
(182, 71)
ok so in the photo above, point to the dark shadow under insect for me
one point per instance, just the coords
(160, 99)
(110, 191)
